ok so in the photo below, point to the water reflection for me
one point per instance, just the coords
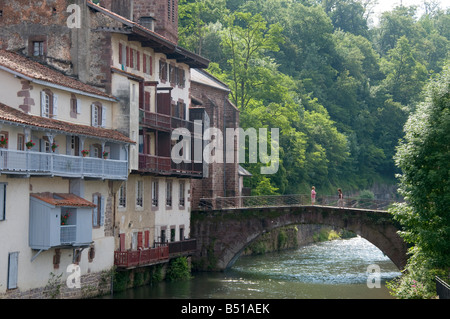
(332, 270)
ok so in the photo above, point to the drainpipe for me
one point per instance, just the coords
(224, 149)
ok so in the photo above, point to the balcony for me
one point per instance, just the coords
(52, 164)
(140, 258)
(155, 120)
(182, 248)
(165, 165)
(156, 164)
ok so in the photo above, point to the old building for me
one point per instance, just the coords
(221, 176)
(60, 161)
(129, 85)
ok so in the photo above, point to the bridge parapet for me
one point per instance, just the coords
(291, 200)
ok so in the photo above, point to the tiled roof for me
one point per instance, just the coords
(34, 70)
(60, 199)
(10, 114)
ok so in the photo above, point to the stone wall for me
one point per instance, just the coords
(92, 285)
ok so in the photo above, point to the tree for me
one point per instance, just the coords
(405, 76)
(424, 160)
(245, 41)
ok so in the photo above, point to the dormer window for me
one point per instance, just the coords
(38, 48)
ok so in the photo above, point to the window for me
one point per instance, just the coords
(163, 70)
(20, 142)
(49, 104)
(181, 195)
(172, 73)
(155, 193)
(181, 77)
(169, 193)
(98, 115)
(96, 150)
(13, 266)
(75, 106)
(172, 234)
(147, 61)
(38, 48)
(139, 194)
(3, 201)
(123, 195)
(98, 218)
(181, 233)
(73, 147)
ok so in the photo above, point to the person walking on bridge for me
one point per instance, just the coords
(340, 199)
(313, 195)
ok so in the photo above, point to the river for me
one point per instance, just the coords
(327, 270)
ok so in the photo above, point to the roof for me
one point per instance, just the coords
(12, 115)
(243, 171)
(63, 199)
(155, 40)
(205, 78)
(36, 72)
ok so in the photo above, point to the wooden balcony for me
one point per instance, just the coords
(52, 164)
(154, 164)
(140, 258)
(182, 248)
(155, 120)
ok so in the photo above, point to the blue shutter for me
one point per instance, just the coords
(102, 211)
(95, 212)
(2, 201)
(13, 267)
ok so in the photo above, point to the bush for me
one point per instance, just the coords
(178, 270)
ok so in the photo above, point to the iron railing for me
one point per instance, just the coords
(442, 288)
(291, 200)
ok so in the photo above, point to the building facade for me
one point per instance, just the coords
(95, 91)
(60, 159)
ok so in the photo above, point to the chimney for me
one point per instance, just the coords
(164, 14)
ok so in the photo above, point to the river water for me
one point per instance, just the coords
(327, 270)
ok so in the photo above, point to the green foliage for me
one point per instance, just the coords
(178, 269)
(338, 91)
(424, 158)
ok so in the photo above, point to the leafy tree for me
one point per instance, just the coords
(424, 159)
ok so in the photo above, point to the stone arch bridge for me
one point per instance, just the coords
(223, 234)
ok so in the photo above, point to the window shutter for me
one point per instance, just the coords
(138, 61)
(144, 63)
(103, 116)
(122, 242)
(140, 240)
(127, 56)
(151, 65)
(120, 53)
(93, 119)
(95, 211)
(69, 145)
(147, 239)
(78, 106)
(102, 212)
(13, 267)
(55, 106)
(2, 201)
(43, 103)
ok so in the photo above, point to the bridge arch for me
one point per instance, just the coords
(223, 235)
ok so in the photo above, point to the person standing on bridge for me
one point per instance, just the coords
(341, 198)
(313, 195)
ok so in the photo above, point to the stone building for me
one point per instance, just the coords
(221, 177)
